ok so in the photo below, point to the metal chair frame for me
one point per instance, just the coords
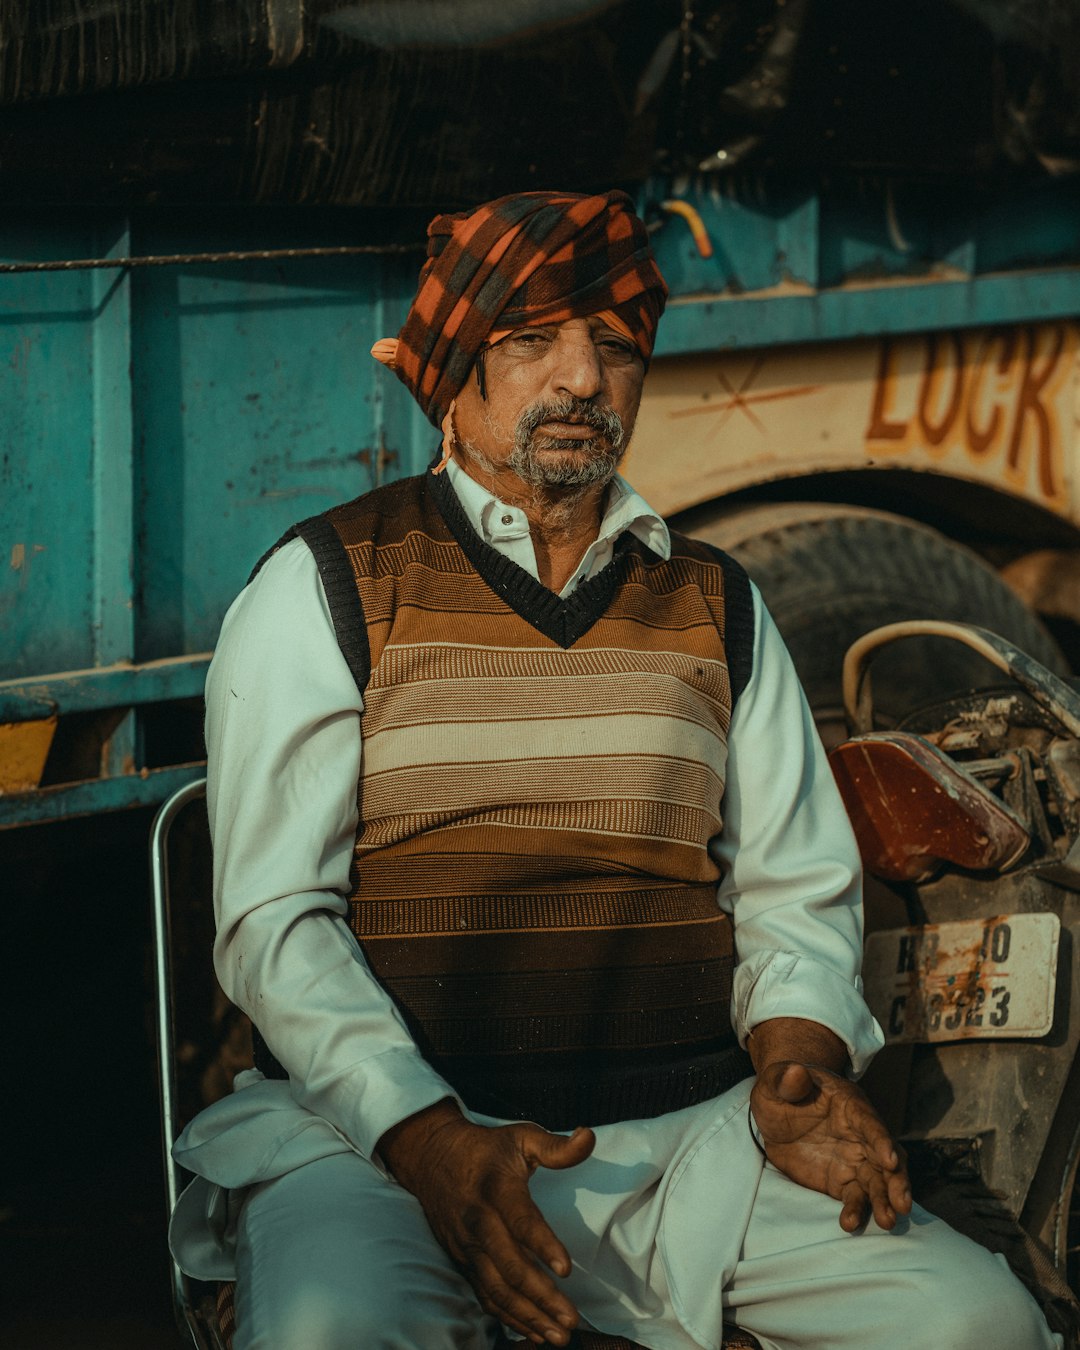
(194, 1303)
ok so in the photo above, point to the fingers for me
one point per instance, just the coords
(529, 1230)
(882, 1177)
(788, 1103)
(513, 1242)
(899, 1186)
(516, 1290)
(557, 1151)
(884, 1154)
(540, 1148)
(855, 1207)
(880, 1203)
(887, 1195)
(866, 1124)
(822, 1131)
(473, 1184)
(788, 1081)
(794, 1083)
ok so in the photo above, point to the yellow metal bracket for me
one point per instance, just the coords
(24, 748)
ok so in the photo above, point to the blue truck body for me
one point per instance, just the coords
(164, 424)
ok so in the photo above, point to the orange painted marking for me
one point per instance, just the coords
(741, 399)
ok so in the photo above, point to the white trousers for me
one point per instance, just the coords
(335, 1256)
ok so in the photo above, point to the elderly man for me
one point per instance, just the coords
(503, 774)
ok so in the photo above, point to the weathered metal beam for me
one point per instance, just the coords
(90, 798)
(795, 313)
(114, 686)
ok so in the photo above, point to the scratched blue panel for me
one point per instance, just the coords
(257, 404)
(763, 235)
(251, 400)
(714, 325)
(48, 574)
(760, 238)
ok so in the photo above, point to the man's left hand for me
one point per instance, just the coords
(821, 1130)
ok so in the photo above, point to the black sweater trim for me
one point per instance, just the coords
(738, 626)
(563, 620)
(342, 596)
(339, 585)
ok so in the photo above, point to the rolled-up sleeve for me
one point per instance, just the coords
(792, 876)
(284, 750)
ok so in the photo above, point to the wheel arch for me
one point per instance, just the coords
(996, 523)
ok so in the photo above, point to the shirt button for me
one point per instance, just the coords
(507, 519)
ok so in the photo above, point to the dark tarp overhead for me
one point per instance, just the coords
(373, 102)
(431, 103)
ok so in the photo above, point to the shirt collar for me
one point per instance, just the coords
(624, 509)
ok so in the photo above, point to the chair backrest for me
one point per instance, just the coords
(183, 932)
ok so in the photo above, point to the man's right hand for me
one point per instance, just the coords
(473, 1184)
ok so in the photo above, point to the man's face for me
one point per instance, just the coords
(560, 407)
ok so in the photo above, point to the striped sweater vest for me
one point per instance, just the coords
(541, 778)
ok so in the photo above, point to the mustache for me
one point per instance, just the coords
(572, 409)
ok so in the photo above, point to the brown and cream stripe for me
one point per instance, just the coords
(541, 779)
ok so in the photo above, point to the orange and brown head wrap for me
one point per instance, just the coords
(536, 257)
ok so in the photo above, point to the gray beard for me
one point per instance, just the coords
(583, 463)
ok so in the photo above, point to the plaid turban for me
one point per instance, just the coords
(536, 257)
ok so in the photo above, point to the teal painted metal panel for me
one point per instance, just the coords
(257, 404)
(162, 427)
(79, 691)
(54, 472)
(112, 617)
(766, 235)
(703, 325)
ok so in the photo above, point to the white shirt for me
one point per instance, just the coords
(506, 528)
(285, 751)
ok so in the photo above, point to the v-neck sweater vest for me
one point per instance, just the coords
(540, 780)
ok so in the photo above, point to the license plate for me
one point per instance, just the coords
(958, 981)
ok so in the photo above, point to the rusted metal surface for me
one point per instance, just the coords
(913, 809)
(968, 980)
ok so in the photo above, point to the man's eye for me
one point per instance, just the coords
(615, 350)
(530, 339)
(528, 345)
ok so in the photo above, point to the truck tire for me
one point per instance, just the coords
(830, 573)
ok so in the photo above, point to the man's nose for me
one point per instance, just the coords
(577, 369)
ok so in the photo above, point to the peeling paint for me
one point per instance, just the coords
(970, 979)
(19, 557)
